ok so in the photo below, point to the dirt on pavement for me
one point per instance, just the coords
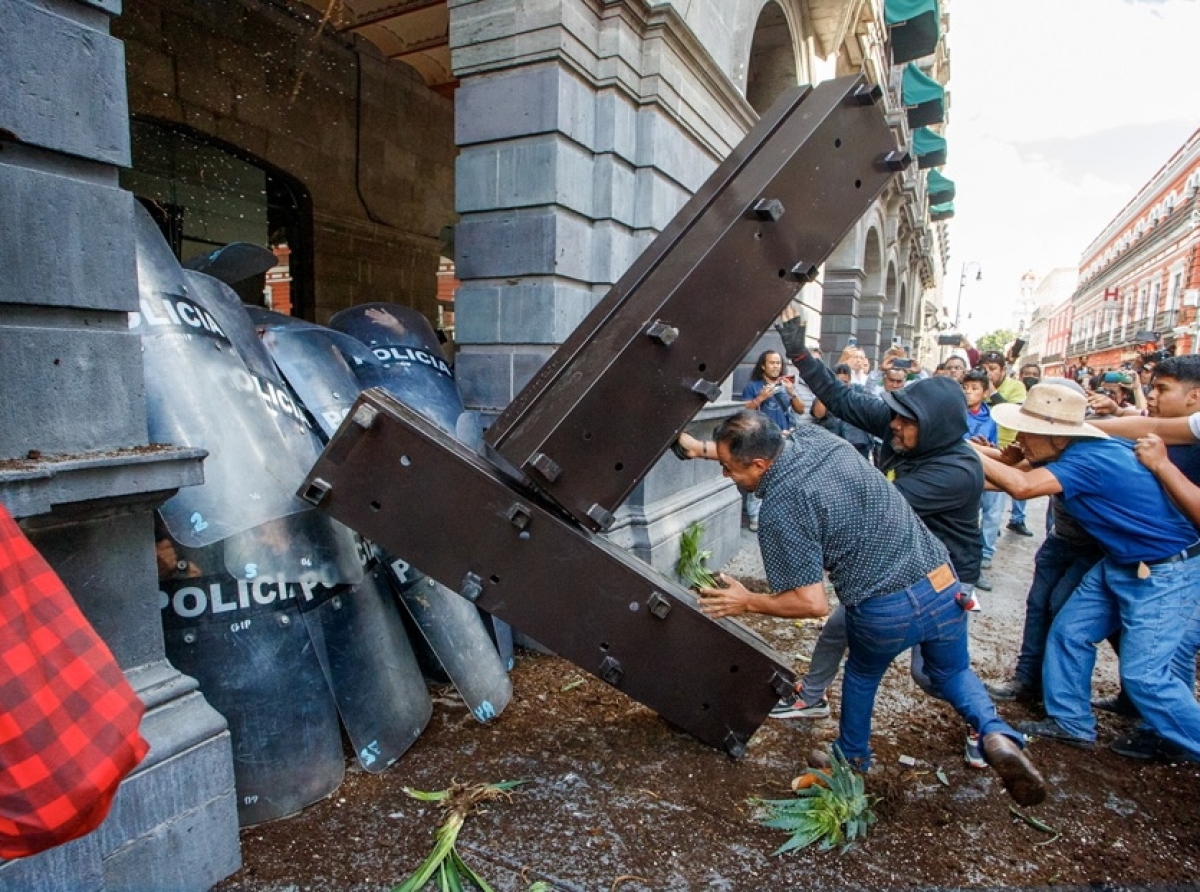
(616, 799)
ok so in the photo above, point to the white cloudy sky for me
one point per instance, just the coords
(1059, 111)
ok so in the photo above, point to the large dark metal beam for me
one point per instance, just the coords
(400, 481)
(633, 374)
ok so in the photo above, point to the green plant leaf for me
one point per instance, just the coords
(466, 870)
(424, 796)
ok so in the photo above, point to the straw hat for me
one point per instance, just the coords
(1050, 411)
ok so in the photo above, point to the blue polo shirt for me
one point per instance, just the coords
(1116, 499)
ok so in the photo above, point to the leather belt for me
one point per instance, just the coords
(1187, 554)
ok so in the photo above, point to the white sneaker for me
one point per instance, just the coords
(973, 754)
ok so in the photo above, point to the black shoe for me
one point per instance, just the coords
(1141, 744)
(1146, 745)
(1014, 689)
(1022, 781)
(1118, 705)
(1019, 528)
(1050, 729)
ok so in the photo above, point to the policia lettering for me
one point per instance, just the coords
(408, 355)
(198, 598)
(188, 318)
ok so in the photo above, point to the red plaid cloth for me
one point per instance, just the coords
(68, 718)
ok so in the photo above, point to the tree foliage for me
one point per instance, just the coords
(996, 340)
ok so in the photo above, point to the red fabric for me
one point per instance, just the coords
(68, 718)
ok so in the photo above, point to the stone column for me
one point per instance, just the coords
(582, 129)
(841, 312)
(75, 465)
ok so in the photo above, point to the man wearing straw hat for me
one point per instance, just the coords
(1145, 583)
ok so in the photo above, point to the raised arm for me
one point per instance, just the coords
(1174, 431)
(1152, 452)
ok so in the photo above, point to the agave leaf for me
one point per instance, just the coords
(788, 822)
(799, 841)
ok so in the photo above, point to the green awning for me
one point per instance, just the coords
(914, 25)
(941, 211)
(939, 188)
(929, 148)
(924, 97)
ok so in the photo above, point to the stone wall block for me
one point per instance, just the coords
(513, 245)
(477, 313)
(506, 105)
(73, 867)
(484, 379)
(57, 233)
(69, 95)
(70, 391)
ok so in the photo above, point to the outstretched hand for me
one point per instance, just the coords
(732, 600)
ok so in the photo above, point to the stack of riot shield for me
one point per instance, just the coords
(287, 618)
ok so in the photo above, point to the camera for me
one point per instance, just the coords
(853, 342)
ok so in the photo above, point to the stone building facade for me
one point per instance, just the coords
(541, 146)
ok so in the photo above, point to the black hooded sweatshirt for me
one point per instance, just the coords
(942, 479)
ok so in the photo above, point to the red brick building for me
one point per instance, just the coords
(1138, 280)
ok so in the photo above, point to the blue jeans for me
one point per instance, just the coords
(991, 513)
(753, 506)
(1058, 568)
(881, 628)
(1018, 512)
(1153, 615)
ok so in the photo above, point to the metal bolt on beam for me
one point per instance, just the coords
(768, 209)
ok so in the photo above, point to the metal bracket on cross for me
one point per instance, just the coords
(517, 536)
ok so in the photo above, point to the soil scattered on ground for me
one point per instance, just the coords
(618, 799)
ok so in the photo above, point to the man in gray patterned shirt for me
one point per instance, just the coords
(818, 496)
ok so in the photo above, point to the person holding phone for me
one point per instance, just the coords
(769, 391)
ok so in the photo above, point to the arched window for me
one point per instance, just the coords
(205, 194)
(772, 67)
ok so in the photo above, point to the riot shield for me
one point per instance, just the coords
(323, 364)
(200, 393)
(247, 645)
(318, 363)
(411, 365)
(369, 662)
(454, 631)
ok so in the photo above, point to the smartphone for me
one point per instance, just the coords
(853, 342)
(1017, 347)
(950, 340)
(902, 363)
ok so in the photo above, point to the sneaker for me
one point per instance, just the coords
(754, 526)
(1019, 528)
(1013, 688)
(796, 708)
(1146, 745)
(1051, 730)
(973, 754)
(983, 583)
(1120, 704)
(1141, 744)
(986, 564)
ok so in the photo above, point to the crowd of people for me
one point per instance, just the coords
(930, 462)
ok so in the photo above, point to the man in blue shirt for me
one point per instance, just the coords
(1145, 583)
